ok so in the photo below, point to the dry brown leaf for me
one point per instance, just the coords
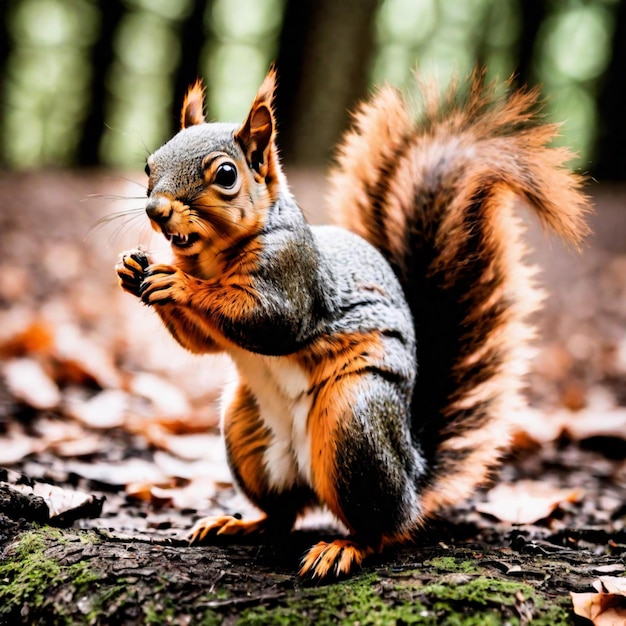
(603, 609)
(610, 569)
(203, 421)
(607, 607)
(154, 433)
(195, 495)
(106, 409)
(526, 501)
(213, 468)
(554, 362)
(167, 400)
(146, 492)
(597, 423)
(66, 437)
(58, 499)
(120, 473)
(192, 447)
(15, 282)
(36, 337)
(532, 426)
(611, 584)
(78, 353)
(28, 381)
(16, 445)
(84, 446)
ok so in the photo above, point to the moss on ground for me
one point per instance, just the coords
(29, 579)
(461, 599)
(35, 588)
(443, 591)
(451, 564)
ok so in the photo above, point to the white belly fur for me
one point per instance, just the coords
(280, 387)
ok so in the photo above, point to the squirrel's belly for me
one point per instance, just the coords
(280, 387)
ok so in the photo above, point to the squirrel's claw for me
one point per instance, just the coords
(224, 525)
(162, 285)
(333, 560)
(131, 270)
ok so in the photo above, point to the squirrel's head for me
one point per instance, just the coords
(214, 183)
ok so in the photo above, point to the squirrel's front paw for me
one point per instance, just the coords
(163, 284)
(131, 270)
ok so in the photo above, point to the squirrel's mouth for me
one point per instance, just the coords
(182, 241)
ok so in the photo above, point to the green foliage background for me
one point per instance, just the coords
(49, 73)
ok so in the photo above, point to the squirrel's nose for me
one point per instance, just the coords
(159, 209)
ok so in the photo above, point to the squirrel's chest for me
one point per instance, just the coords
(280, 387)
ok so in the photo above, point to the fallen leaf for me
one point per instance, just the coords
(85, 446)
(146, 492)
(195, 495)
(15, 282)
(167, 399)
(80, 353)
(532, 426)
(610, 569)
(121, 473)
(607, 607)
(106, 409)
(193, 447)
(211, 468)
(64, 505)
(608, 422)
(15, 446)
(28, 381)
(526, 501)
(611, 584)
(36, 337)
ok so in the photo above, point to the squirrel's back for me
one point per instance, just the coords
(436, 195)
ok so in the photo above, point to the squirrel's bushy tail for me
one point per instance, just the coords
(435, 194)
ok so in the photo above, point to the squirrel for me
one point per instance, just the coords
(379, 360)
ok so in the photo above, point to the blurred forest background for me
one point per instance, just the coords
(100, 82)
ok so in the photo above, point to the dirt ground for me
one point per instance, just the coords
(114, 428)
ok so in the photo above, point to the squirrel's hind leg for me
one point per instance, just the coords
(363, 469)
(247, 439)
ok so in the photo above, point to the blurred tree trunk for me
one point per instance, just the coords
(533, 13)
(6, 7)
(323, 65)
(102, 56)
(192, 36)
(609, 160)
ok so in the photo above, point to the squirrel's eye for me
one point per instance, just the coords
(226, 175)
(147, 170)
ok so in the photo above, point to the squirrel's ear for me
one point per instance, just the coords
(256, 135)
(193, 106)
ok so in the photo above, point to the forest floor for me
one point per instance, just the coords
(108, 433)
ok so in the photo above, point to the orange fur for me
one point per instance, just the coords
(247, 439)
(333, 364)
(193, 106)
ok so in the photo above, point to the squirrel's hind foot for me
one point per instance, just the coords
(224, 526)
(338, 558)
